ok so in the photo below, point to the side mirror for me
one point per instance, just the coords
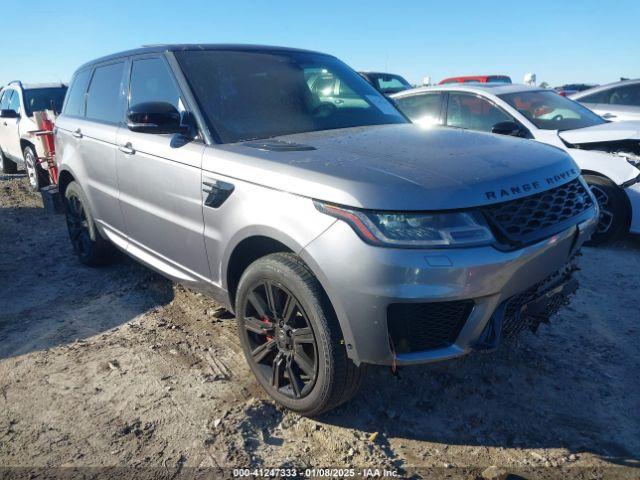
(9, 114)
(154, 117)
(508, 128)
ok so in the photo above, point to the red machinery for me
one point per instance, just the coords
(50, 195)
(45, 134)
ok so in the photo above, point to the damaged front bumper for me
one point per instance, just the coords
(527, 310)
(411, 306)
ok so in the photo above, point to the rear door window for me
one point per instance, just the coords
(627, 95)
(421, 109)
(74, 105)
(472, 112)
(104, 101)
(598, 97)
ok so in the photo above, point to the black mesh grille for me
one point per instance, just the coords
(414, 327)
(515, 321)
(530, 219)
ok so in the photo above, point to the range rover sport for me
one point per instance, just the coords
(339, 233)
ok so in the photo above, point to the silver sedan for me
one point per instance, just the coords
(619, 101)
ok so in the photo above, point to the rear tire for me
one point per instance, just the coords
(92, 249)
(291, 338)
(38, 176)
(6, 165)
(614, 210)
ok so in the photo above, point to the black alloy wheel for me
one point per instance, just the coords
(78, 226)
(92, 249)
(283, 346)
(614, 207)
(605, 220)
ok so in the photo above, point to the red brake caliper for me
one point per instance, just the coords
(266, 320)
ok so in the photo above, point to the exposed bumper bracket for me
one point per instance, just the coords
(531, 314)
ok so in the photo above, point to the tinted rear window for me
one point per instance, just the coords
(499, 79)
(104, 102)
(74, 104)
(37, 99)
(389, 83)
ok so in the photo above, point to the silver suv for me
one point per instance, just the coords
(338, 233)
(18, 145)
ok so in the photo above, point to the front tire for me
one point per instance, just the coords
(291, 337)
(38, 176)
(614, 210)
(6, 165)
(90, 247)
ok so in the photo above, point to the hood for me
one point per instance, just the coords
(397, 167)
(606, 132)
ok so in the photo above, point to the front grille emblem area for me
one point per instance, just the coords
(526, 220)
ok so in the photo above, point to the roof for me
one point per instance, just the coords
(469, 77)
(379, 73)
(494, 88)
(607, 86)
(177, 47)
(31, 86)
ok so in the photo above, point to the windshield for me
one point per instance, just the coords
(255, 95)
(37, 99)
(549, 111)
(387, 83)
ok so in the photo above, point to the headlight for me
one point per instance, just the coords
(413, 230)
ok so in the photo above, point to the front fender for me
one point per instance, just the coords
(616, 168)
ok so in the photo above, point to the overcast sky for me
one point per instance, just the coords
(562, 41)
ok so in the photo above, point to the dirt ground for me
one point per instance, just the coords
(118, 367)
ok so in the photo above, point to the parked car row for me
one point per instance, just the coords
(295, 192)
(619, 101)
(608, 154)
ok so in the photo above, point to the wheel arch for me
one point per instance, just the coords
(627, 202)
(65, 177)
(24, 143)
(258, 245)
(244, 253)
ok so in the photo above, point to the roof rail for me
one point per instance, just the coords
(15, 81)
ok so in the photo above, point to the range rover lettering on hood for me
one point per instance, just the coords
(518, 190)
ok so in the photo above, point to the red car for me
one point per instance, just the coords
(478, 79)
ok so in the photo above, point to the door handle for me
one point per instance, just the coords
(5, 123)
(607, 116)
(127, 149)
(77, 133)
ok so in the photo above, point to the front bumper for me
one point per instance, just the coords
(362, 281)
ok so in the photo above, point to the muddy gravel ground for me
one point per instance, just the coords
(118, 367)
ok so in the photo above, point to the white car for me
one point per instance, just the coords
(18, 102)
(608, 154)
